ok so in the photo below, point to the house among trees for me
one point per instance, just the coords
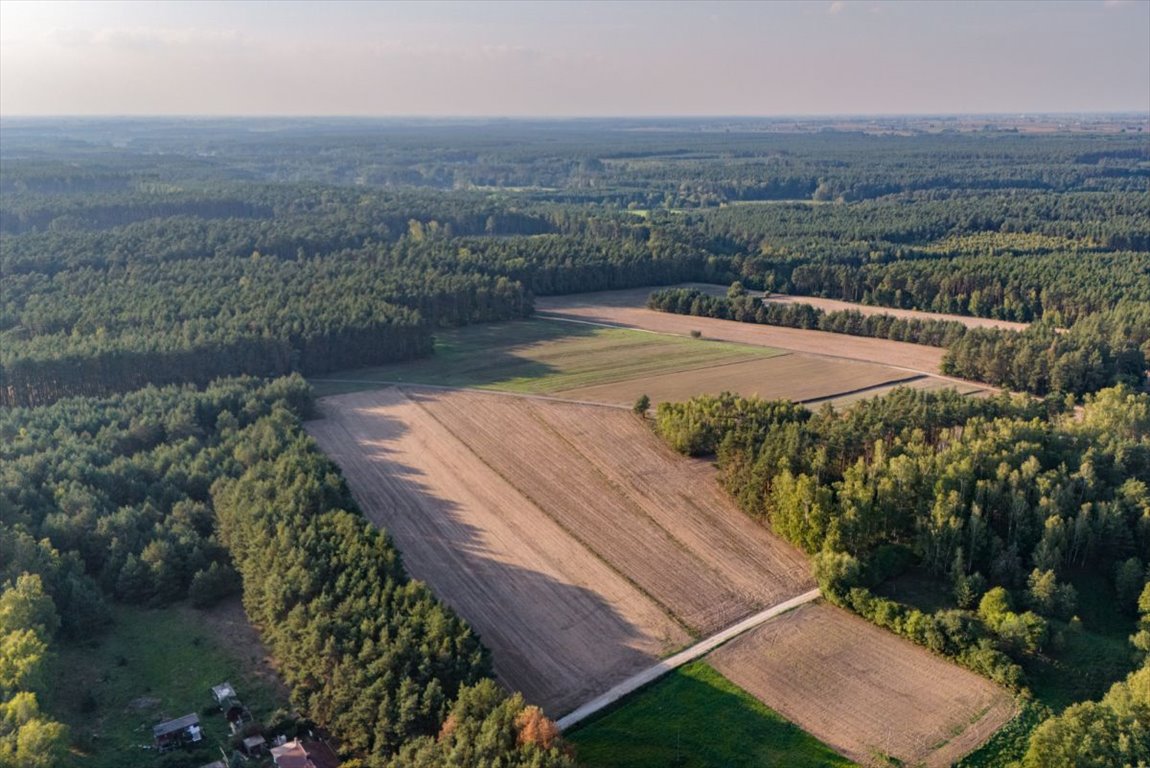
(175, 733)
(254, 746)
(234, 711)
(301, 754)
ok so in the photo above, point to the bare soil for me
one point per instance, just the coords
(656, 518)
(795, 377)
(628, 309)
(864, 691)
(834, 305)
(562, 625)
(580, 548)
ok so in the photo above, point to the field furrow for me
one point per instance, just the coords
(517, 444)
(561, 624)
(862, 690)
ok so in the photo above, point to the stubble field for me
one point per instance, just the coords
(864, 691)
(578, 545)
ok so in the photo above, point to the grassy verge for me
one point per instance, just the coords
(542, 356)
(696, 718)
(150, 666)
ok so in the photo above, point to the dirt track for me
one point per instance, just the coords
(862, 690)
(628, 309)
(568, 535)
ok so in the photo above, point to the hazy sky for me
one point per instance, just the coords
(573, 58)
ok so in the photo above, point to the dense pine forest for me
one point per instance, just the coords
(165, 285)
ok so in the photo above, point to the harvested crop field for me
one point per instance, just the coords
(628, 309)
(578, 545)
(834, 305)
(862, 690)
(541, 356)
(794, 377)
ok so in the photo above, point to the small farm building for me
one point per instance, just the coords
(175, 733)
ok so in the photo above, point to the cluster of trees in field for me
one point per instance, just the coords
(1002, 498)
(174, 493)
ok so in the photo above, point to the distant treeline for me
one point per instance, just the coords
(1100, 350)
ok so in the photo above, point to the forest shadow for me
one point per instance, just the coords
(558, 642)
(483, 355)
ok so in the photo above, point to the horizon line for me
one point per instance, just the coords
(1139, 112)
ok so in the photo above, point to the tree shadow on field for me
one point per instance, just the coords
(483, 355)
(558, 642)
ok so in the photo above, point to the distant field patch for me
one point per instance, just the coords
(628, 308)
(696, 718)
(866, 692)
(794, 377)
(544, 356)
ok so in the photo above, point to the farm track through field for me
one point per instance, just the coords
(568, 535)
(699, 649)
(562, 625)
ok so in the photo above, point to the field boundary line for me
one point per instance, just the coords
(699, 649)
(892, 383)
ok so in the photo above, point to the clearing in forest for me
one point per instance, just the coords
(862, 690)
(544, 356)
(629, 309)
(579, 546)
(835, 305)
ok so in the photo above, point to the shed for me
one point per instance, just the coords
(223, 693)
(254, 745)
(173, 733)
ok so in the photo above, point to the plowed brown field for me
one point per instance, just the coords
(568, 535)
(862, 690)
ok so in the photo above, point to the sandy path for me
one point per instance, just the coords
(862, 690)
(699, 649)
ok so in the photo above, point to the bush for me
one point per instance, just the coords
(213, 585)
